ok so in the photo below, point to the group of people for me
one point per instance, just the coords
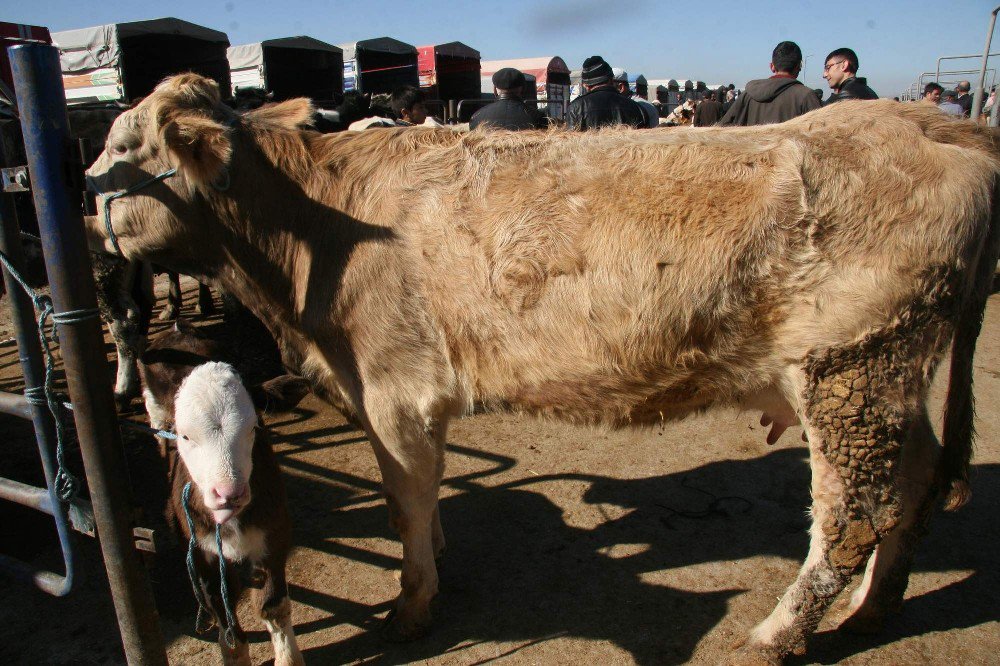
(607, 99)
(957, 102)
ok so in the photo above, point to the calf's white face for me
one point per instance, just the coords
(215, 420)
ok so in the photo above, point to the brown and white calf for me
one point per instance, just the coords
(225, 453)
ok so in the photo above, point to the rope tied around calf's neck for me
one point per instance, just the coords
(108, 198)
(66, 484)
(199, 594)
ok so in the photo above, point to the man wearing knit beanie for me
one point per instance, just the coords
(601, 105)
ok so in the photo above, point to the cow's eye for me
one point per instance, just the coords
(119, 149)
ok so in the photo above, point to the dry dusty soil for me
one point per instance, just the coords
(565, 545)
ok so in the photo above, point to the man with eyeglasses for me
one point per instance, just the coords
(777, 99)
(840, 71)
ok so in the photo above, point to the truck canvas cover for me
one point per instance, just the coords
(288, 67)
(122, 62)
(379, 65)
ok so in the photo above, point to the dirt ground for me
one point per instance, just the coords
(565, 545)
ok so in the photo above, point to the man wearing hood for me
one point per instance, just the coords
(777, 99)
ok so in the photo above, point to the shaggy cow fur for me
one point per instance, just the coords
(816, 270)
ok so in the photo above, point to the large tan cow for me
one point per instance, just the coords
(816, 270)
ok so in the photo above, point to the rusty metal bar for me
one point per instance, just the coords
(45, 126)
(15, 404)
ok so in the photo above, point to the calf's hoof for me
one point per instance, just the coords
(397, 629)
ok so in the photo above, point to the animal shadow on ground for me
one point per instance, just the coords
(516, 572)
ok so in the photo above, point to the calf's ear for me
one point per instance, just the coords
(279, 394)
(200, 146)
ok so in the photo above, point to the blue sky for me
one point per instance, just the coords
(718, 42)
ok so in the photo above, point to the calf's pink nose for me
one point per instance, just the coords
(231, 493)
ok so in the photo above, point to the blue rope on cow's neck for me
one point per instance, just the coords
(199, 594)
(108, 198)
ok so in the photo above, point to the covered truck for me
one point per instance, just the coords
(122, 62)
(449, 71)
(379, 65)
(288, 67)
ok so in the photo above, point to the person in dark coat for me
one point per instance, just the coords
(707, 112)
(509, 112)
(601, 105)
(964, 99)
(840, 71)
(777, 99)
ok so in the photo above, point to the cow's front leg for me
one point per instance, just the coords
(206, 306)
(411, 459)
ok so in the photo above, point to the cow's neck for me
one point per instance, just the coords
(283, 252)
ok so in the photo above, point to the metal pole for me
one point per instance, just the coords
(977, 99)
(45, 126)
(33, 369)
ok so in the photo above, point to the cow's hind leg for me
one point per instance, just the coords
(859, 403)
(410, 452)
(884, 584)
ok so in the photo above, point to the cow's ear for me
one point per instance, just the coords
(293, 114)
(279, 394)
(199, 144)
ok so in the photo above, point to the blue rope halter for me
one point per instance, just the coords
(199, 594)
(108, 198)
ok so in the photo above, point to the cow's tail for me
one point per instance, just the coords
(959, 428)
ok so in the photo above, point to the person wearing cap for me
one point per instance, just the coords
(777, 99)
(948, 103)
(707, 112)
(649, 112)
(509, 112)
(601, 105)
(840, 72)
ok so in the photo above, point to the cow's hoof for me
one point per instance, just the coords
(863, 621)
(397, 630)
(752, 655)
(169, 313)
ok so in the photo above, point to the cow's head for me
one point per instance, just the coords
(216, 421)
(182, 126)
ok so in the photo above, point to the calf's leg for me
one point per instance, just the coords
(206, 306)
(175, 299)
(275, 610)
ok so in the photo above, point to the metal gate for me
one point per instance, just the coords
(53, 166)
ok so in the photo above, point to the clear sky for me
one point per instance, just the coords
(721, 41)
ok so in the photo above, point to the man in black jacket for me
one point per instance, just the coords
(777, 99)
(601, 105)
(840, 72)
(509, 111)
